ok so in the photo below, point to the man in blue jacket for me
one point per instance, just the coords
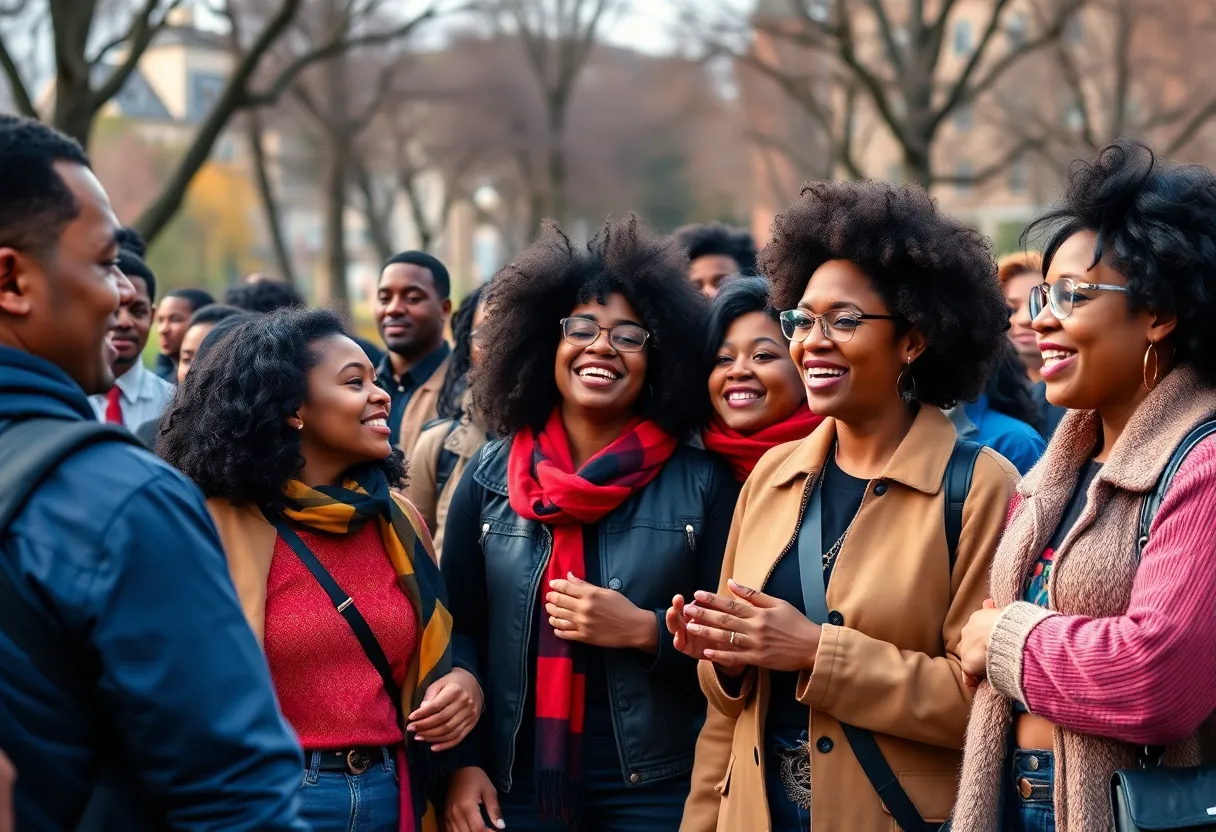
(116, 557)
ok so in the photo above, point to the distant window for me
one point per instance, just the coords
(962, 37)
(964, 174)
(963, 118)
(1017, 177)
(205, 89)
(818, 10)
(1015, 30)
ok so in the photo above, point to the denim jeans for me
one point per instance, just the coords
(605, 803)
(334, 801)
(784, 814)
(1029, 782)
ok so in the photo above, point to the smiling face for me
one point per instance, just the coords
(130, 332)
(598, 380)
(857, 380)
(707, 272)
(172, 320)
(1017, 296)
(345, 414)
(1094, 358)
(753, 383)
(409, 312)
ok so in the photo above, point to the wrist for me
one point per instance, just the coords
(812, 648)
(645, 632)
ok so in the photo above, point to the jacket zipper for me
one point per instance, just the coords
(523, 665)
(692, 539)
(485, 532)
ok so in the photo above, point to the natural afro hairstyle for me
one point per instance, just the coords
(934, 274)
(1156, 225)
(226, 427)
(455, 381)
(513, 385)
(716, 238)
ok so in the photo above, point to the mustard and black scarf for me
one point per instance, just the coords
(363, 497)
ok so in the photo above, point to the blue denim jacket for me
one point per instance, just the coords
(118, 558)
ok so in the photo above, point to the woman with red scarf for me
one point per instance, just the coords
(754, 386)
(566, 541)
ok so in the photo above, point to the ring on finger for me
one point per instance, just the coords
(732, 638)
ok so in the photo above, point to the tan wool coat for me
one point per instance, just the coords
(891, 667)
(421, 408)
(465, 440)
(1093, 574)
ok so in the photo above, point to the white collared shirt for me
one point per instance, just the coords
(143, 397)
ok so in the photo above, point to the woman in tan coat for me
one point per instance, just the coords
(447, 444)
(893, 311)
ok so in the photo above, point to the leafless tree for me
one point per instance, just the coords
(843, 61)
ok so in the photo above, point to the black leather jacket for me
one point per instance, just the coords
(667, 539)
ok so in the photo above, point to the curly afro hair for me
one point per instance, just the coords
(934, 273)
(513, 385)
(1156, 225)
(226, 427)
(715, 238)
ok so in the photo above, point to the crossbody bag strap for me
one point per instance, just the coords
(345, 605)
(865, 747)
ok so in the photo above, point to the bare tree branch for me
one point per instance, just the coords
(21, 94)
(137, 38)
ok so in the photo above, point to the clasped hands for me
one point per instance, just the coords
(742, 628)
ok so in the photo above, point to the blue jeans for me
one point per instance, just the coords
(605, 803)
(784, 814)
(334, 801)
(1029, 783)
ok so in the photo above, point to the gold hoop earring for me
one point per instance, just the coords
(1152, 350)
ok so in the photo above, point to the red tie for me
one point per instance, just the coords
(114, 406)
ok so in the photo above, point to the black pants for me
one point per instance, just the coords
(605, 803)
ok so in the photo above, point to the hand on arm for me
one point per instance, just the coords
(579, 611)
(973, 644)
(449, 711)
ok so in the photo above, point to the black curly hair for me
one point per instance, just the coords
(1010, 392)
(1156, 225)
(738, 297)
(455, 381)
(513, 384)
(707, 239)
(226, 427)
(934, 274)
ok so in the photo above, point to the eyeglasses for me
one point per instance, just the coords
(1061, 296)
(838, 325)
(583, 332)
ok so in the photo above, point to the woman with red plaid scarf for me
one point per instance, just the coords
(566, 541)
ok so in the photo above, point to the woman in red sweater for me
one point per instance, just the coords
(755, 388)
(1097, 644)
(283, 427)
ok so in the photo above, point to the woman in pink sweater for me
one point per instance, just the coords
(1090, 651)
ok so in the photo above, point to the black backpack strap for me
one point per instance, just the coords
(446, 463)
(345, 605)
(861, 740)
(1152, 501)
(957, 484)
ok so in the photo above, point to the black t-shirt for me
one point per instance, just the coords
(841, 496)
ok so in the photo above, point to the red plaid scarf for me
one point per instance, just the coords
(742, 452)
(544, 487)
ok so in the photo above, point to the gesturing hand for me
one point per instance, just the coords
(973, 643)
(579, 611)
(765, 631)
(449, 711)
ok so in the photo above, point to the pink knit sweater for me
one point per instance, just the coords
(1148, 676)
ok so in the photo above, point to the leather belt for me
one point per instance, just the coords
(347, 760)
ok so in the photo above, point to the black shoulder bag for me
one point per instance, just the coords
(32, 449)
(957, 483)
(1153, 797)
(345, 605)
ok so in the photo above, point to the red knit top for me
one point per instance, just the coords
(329, 691)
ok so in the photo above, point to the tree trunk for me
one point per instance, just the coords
(270, 205)
(334, 290)
(557, 158)
(74, 105)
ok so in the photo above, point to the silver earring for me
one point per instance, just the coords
(905, 385)
(300, 426)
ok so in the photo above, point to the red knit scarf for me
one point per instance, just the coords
(544, 487)
(742, 452)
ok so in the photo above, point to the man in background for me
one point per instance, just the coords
(138, 395)
(172, 319)
(715, 252)
(412, 307)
